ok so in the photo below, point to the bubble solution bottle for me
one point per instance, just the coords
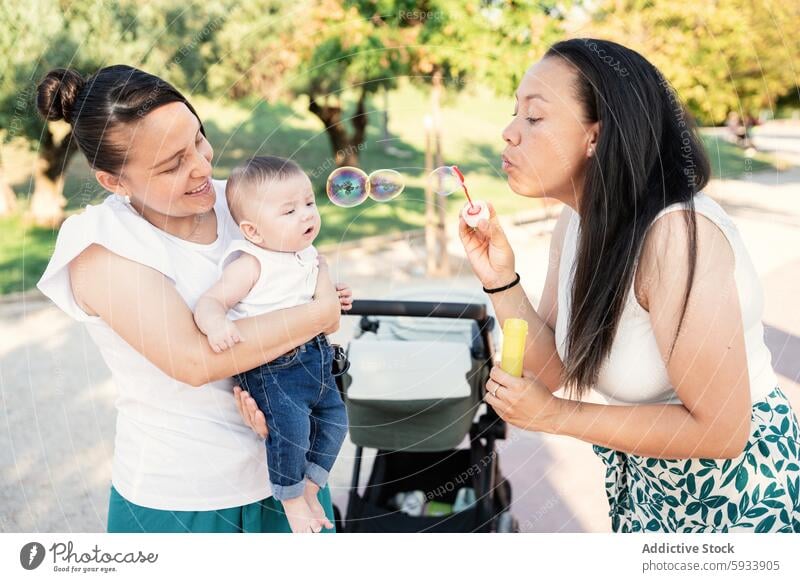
(514, 333)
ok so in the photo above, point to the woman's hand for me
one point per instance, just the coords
(326, 299)
(523, 402)
(488, 251)
(249, 412)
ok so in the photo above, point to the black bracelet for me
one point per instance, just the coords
(503, 288)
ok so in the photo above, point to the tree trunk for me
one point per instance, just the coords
(442, 256)
(47, 201)
(346, 146)
(8, 199)
(385, 135)
(359, 122)
(430, 205)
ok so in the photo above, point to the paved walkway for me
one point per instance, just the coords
(57, 413)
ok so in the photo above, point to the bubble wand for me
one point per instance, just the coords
(464, 186)
(473, 212)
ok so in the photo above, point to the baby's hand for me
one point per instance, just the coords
(224, 336)
(345, 296)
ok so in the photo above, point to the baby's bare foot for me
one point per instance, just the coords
(301, 517)
(310, 495)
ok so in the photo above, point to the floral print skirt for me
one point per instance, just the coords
(758, 491)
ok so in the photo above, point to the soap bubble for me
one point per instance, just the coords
(445, 180)
(347, 186)
(385, 185)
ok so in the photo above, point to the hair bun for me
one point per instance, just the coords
(57, 93)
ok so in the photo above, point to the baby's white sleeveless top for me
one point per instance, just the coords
(286, 279)
(177, 447)
(634, 371)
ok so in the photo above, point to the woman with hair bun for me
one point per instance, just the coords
(188, 454)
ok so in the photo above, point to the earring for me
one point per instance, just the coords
(124, 199)
(591, 151)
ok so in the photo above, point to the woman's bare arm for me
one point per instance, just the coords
(708, 367)
(541, 357)
(144, 308)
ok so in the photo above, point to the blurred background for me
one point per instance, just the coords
(337, 82)
(374, 84)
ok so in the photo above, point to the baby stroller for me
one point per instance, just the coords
(414, 393)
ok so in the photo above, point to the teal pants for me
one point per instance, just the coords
(259, 517)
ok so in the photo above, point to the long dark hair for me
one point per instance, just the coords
(648, 156)
(98, 105)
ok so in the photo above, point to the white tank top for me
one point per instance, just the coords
(177, 447)
(634, 372)
(286, 279)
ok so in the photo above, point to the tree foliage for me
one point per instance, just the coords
(337, 53)
(736, 55)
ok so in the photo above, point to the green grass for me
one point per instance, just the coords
(729, 162)
(24, 253)
(472, 123)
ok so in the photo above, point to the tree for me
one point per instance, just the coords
(322, 50)
(78, 36)
(450, 44)
(737, 55)
(339, 52)
(86, 35)
(8, 199)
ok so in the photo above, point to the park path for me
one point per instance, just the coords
(57, 400)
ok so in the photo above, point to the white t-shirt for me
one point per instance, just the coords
(286, 279)
(634, 372)
(177, 447)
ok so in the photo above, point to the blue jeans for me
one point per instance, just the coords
(306, 417)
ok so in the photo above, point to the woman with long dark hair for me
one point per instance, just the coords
(131, 269)
(650, 298)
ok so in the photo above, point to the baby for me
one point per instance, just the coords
(275, 267)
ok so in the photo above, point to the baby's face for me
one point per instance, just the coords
(286, 215)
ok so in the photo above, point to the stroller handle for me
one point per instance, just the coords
(474, 311)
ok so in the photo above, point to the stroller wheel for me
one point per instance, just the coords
(507, 523)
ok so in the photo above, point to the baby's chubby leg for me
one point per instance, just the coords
(328, 430)
(290, 392)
